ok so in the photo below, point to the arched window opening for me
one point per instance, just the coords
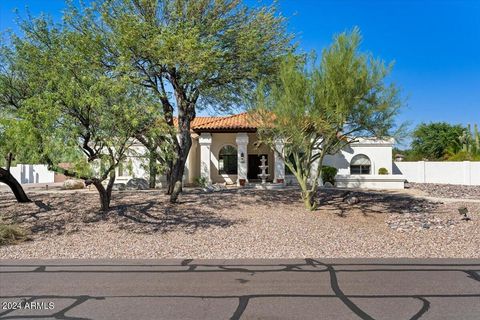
(360, 164)
(227, 160)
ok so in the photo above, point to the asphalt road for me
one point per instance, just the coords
(337, 289)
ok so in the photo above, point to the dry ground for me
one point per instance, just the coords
(240, 224)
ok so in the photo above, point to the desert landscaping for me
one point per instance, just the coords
(246, 223)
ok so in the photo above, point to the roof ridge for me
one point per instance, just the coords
(219, 118)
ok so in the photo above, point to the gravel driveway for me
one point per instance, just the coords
(240, 224)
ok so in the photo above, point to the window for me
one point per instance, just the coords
(360, 164)
(227, 160)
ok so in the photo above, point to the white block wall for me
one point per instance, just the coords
(444, 172)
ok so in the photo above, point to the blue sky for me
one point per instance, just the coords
(435, 45)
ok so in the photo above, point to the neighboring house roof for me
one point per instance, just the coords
(233, 123)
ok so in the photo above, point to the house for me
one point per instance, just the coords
(224, 150)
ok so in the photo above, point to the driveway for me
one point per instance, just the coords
(241, 289)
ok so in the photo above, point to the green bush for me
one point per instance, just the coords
(10, 234)
(328, 174)
(382, 171)
(463, 156)
(201, 182)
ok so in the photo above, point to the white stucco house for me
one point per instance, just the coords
(224, 150)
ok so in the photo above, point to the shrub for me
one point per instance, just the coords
(328, 174)
(201, 182)
(382, 171)
(10, 234)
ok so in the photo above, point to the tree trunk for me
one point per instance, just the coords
(14, 185)
(152, 166)
(176, 176)
(105, 194)
(309, 200)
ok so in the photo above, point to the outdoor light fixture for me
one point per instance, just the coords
(242, 157)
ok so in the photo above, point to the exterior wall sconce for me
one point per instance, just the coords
(242, 157)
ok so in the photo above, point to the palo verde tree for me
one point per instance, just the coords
(316, 109)
(85, 115)
(191, 55)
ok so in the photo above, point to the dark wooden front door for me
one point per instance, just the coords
(254, 164)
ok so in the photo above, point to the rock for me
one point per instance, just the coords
(137, 184)
(352, 200)
(119, 186)
(72, 184)
(208, 189)
(327, 185)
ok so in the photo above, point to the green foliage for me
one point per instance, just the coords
(210, 50)
(470, 140)
(201, 182)
(75, 108)
(316, 109)
(431, 141)
(10, 234)
(464, 156)
(76, 115)
(328, 174)
(382, 171)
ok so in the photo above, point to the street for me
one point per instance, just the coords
(240, 289)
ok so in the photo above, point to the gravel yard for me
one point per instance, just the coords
(447, 190)
(241, 224)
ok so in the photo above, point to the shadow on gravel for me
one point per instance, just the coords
(147, 212)
(374, 202)
(152, 216)
(140, 212)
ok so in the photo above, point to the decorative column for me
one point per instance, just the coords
(205, 142)
(242, 143)
(279, 169)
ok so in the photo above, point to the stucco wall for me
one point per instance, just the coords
(447, 172)
(380, 155)
(32, 173)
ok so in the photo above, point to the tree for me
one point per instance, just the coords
(432, 141)
(316, 110)
(13, 92)
(191, 55)
(84, 114)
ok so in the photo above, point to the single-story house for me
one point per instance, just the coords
(224, 150)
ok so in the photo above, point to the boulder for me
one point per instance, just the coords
(137, 184)
(119, 186)
(327, 185)
(73, 184)
(352, 200)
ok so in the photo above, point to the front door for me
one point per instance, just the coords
(254, 164)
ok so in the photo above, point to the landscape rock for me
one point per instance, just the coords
(72, 184)
(119, 186)
(137, 184)
(447, 190)
(352, 200)
(327, 185)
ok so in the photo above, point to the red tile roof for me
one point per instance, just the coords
(239, 121)
(234, 122)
